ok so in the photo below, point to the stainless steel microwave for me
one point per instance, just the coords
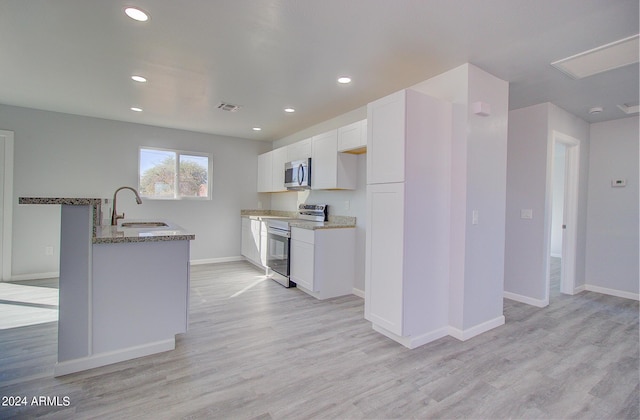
(297, 175)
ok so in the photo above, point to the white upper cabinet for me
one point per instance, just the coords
(271, 170)
(299, 150)
(330, 169)
(352, 138)
(386, 139)
(265, 172)
(278, 160)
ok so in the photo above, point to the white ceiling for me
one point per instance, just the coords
(76, 56)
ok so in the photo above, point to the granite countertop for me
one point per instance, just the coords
(117, 234)
(334, 222)
(107, 234)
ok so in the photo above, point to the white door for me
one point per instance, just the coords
(569, 214)
(6, 202)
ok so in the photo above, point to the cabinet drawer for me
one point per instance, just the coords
(303, 235)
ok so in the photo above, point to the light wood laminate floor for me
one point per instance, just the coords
(257, 350)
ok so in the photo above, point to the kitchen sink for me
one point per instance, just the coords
(142, 225)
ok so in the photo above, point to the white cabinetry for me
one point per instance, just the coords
(299, 150)
(279, 158)
(322, 261)
(265, 172)
(408, 225)
(330, 169)
(254, 241)
(271, 170)
(352, 138)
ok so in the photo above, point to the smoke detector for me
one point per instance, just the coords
(228, 107)
(596, 110)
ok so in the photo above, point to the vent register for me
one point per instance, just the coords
(229, 107)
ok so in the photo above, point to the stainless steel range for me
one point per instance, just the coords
(279, 236)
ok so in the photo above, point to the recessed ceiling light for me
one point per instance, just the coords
(289, 110)
(257, 129)
(598, 60)
(344, 80)
(136, 109)
(139, 78)
(137, 14)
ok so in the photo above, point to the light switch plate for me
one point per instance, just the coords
(526, 213)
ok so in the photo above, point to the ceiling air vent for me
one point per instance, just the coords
(228, 107)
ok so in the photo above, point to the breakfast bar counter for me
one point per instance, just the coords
(124, 291)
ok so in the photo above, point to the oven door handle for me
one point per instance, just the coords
(277, 232)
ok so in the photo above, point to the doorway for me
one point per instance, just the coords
(563, 211)
(6, 203)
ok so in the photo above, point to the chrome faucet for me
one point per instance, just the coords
(114, 213)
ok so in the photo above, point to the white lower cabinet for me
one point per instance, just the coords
(384, 290)
(254, 241)
(322, 261)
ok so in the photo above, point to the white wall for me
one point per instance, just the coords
(529, 168)
(612, 221)
(479, 159)
(62, 155)
(526, 181)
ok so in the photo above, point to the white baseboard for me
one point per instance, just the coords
(103, 359)
(463, 335)
(35, 276)
(358, 292)
(416, 341)
(579, 289)
(612, 292)
(216, 260)
(540, 303)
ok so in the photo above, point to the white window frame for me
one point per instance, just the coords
(178, 153)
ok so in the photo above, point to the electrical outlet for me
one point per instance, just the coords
(48, 250)
(347, 204)
(475, 217)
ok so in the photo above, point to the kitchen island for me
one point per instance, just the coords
(124, 291)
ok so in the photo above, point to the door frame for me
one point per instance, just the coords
(570, 213)
(6, 225)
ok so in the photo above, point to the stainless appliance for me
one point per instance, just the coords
(278, 240)
(297, 175)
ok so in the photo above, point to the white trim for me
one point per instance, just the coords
(540, 303)
(612, 292)
(579, 289)
(464, 335)
(358, 292)
(216, 260)
(413, 342)
(570, 212)
(35, 276)
(107, 358)
(7, 211)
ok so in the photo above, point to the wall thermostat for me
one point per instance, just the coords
(618, 182)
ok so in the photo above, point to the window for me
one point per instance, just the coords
(172, 174)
